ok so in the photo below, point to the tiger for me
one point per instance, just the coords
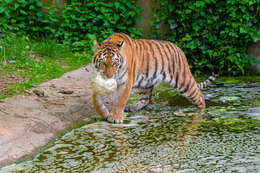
(141, 64)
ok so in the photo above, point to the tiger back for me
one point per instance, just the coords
(141, 64)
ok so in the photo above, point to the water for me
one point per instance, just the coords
(168, 136)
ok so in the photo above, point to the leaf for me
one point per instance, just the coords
(16, 5)
(91, 36)
(253, 60)
(39, 4)
(8, 1)
(23, 12)
(188, 11)
(117, 4)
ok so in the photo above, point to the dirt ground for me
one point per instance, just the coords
(30, 121)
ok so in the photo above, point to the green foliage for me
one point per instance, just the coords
(224, 125)
(80, 21)
(238, 80)
(35, 61)
(21, 16)
(13, 48)
(75, 24)
(212, 33)
(50, 48)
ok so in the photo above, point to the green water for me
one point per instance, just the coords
(168, 136)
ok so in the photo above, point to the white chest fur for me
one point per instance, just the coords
(103, 86)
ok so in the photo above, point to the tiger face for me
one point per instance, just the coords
(107, 58)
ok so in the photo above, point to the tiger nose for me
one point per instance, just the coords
(109, 75)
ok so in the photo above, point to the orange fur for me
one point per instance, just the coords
(140, 63)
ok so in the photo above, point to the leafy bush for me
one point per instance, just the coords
(79, 20)
(75, 24)
(212, 33)
(21, 16)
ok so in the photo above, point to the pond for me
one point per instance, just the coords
(167, 136)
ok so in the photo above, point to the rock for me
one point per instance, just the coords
(38, 92)
(28, 122)
(66, 91)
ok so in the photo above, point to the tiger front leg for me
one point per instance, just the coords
(116, 116)
(146, 98)
(99, 105)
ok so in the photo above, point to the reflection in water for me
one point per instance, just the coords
(166, 137)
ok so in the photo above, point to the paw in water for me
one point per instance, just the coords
(114, 120)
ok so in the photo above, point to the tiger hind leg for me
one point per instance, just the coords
(191, 91)
(146, 98)
(196, 97)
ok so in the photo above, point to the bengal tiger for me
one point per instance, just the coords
(141, 63)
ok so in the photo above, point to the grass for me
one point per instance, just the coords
(35, 62)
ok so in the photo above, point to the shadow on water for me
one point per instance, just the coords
(168, 136)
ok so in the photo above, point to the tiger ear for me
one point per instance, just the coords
(121, 45)
(96, 45)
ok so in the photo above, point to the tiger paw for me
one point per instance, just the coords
(129, 109)
(115, 119)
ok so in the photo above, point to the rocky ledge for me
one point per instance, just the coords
(31, 120)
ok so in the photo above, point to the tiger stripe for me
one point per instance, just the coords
(143, 64)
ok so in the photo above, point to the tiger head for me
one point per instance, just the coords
(108, 58)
